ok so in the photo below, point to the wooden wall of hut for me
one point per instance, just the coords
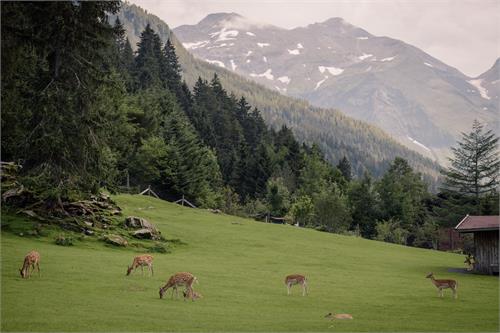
(486, 251)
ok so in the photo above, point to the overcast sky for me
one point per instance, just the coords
(464, 34)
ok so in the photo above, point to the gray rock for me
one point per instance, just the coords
(115, 240)
(146, 234)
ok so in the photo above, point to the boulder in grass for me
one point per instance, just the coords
(138, 222)
(115, 240)
(146, 234)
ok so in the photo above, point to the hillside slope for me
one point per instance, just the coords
(240, 265)
(421, 101)
(367, 147)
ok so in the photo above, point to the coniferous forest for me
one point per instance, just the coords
(82, 112)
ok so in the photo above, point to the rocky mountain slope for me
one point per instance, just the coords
(419, 100)
(367, 147)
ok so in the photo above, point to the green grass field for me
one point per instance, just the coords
(240, 268)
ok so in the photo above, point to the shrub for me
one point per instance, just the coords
(64, 240)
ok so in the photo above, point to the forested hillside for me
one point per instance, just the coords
(366, 147)
(82, 112)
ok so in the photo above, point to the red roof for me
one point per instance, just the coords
(478, 223)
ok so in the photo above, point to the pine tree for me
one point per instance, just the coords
(345, 168)
(63, 149)
(148, 62)
(475, 165)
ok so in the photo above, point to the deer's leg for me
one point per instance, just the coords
(288, 288)
(38, 267)
(142, 270)
(151, 269)
(305, 288)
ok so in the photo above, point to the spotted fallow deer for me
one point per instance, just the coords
(178, 279)
(31, 259)
(443, 284)
(294, 279)
(143, 260)
(333, 316)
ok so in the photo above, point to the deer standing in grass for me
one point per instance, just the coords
(443, 284)
(143, 260)
(178, 279)
(31, 259)
(294, 279)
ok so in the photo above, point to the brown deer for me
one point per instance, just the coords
(190, 293)
(143, 260)
(443, 284)
(31, 259)
(294, 279)
(178, 279)
(333, 316)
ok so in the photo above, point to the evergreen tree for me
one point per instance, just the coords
(475, 165)
(345, 168)
(63, 149)
(363, 200)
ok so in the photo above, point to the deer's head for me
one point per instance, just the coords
(129, 269)
(21, 271)
(161, 292)
(329, 315)
(429, 275)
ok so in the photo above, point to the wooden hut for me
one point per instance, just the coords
(486, 233)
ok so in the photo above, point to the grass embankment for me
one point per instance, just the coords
(240, 267)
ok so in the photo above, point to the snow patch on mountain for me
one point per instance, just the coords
(248, 61)
(364, 56)
(216, 62)
(299, 46)
(427, 64)
(267, 74)
(294, 52)
(284, 79)
(249, 53)
(281, 90)
(418, 143)
(195, 45)
(388, 59)
(264, 58)
(250, 33)
(362, 38)
(263, 44)
(233, 65)
(319, 83)
(482, 90)
(332, 70)
(224, 34)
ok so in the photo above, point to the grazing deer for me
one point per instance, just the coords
(31, 259)
(144, 260)
(333, 316)
(443, 284)
(190, 293)
(294, 279)
(177, 280)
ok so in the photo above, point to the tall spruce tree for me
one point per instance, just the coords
(62, 148)
(474, 167)
(345, 168)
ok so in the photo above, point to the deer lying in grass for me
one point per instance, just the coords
(31, 259)
(333, 316)
(294, 279)
(177, 280)
(144, 260)
(443, 284)
(190, 293)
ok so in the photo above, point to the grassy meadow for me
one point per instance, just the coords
(240, 265)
